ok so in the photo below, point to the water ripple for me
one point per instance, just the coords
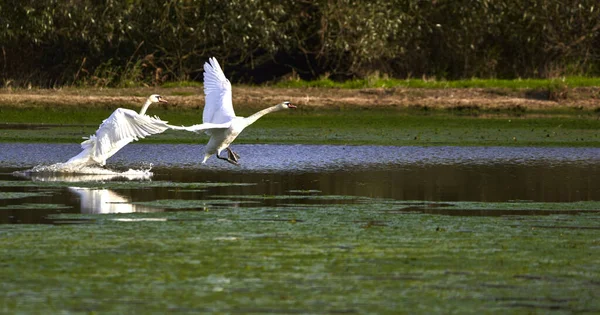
(269, 157)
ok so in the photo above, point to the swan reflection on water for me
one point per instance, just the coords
(102, 201)
(96, 200)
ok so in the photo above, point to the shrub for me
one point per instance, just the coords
(116, 43)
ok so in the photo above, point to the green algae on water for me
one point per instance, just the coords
(353, 258)
(21, 195)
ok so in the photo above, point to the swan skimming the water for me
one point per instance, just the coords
(218, 118)
(122, 127)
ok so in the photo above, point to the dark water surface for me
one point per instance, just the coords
(314, 174)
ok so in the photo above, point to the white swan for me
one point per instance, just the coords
(218, 119)
(122, 127)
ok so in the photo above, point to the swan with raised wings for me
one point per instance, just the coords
(120, 128)
(218, 118)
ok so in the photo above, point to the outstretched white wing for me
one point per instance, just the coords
(218, 107)
(204, 127)
(122, 127)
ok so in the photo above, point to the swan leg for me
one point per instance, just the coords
(232, 155)
(228, 159)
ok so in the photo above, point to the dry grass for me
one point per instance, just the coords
(256, 97)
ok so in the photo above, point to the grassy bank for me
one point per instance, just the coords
(529, 95)
(469, 112)
(378, 82)
(355, 126)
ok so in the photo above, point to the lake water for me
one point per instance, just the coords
(310, 174)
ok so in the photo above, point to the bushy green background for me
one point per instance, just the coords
(122, 43)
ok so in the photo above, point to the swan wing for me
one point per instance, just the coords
(122, 127)
(218, 107)
(205, 127)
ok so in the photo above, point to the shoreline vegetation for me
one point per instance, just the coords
(561, 112)
(577, 93)
(124, 43)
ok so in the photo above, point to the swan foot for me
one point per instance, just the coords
(228, 159)
(232, 155)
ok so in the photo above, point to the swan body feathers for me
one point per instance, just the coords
(218, 117)
(120, 128)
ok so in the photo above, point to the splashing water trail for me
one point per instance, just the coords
(74, 172)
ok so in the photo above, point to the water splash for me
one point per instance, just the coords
(69, 172)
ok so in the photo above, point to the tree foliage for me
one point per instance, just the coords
(112, 43)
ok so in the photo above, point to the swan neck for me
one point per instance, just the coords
(254, 117)
(145, 107)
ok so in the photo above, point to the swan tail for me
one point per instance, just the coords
(88, 148)
(90, 143)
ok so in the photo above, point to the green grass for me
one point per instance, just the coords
(181, 84)
(356, 127)
(436, 84)
(378, 82)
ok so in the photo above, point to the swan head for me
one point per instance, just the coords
(286, 105)
(155, 98)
